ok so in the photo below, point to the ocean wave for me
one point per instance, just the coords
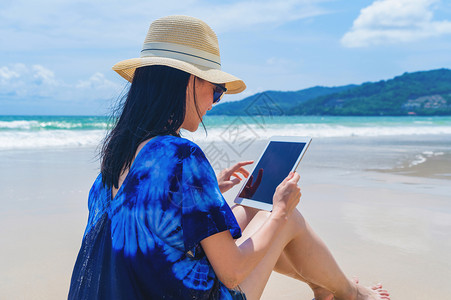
(50, 139)
(423, 157)
(27, 125)
(252, 131)
(30, 134)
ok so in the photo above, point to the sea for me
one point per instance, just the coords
(40, 132)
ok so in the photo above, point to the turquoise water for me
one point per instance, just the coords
(333, 120)
(31, 123)
(34, 123)
(30, 132)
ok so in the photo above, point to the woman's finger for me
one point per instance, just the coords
(237, 176)
(295, 177)
(241, 164)
(243, 171)
(289, 176)
(235, 181)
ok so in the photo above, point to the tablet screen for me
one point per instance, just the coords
(275, 164)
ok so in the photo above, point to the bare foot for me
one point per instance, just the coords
(376, 292)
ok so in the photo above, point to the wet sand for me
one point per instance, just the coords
(384, 218)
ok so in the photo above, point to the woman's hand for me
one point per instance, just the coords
(287, 195)
(225, 180)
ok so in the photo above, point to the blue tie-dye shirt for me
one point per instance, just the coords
(145, 243)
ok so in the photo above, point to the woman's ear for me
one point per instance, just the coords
(190, 85)
(190, 90)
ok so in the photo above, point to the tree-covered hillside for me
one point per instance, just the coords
(282, 101)
(420, 93)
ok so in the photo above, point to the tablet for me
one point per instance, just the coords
(281, 156)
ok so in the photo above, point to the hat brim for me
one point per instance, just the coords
(126, 69)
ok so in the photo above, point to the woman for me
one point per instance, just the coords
(158, 225)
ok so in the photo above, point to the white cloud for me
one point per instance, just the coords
(97, 80)
(44, 76)
(245, 15)
(21, 80)
(37, 81)
(87, 37)
(7, 74)
(53, 24)
(395, 21)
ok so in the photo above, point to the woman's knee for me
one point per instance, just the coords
(296, 223)
(252, 222)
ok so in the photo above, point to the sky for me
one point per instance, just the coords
(56, 56)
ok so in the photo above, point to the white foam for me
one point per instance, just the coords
(50, 138)
(62, 125)
(422, 158)
(419, 159)
(18, 124)
(49, 125)
(315, 130)
(430, 153)
(33, 134)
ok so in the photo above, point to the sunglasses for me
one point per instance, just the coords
(218, 92)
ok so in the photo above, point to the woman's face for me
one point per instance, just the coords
(204, 99)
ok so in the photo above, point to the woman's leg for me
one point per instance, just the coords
(311, 258)
(307, 254)
(284, 266)
(313, 261)
(244, 215)
(255, 283)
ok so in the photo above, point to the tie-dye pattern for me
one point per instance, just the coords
(145, 243)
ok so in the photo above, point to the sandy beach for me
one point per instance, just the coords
(382, 205)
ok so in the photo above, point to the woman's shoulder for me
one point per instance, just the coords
(178, 141)
(171, 146)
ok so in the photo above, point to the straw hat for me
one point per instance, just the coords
(184, 43)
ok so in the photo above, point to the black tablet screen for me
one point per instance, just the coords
(275, 164)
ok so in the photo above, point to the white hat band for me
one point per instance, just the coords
(183, 53)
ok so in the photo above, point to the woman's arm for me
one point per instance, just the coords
(232, 263)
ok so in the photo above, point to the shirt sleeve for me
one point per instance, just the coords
(205, 211)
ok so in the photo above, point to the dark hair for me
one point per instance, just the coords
(154, 105)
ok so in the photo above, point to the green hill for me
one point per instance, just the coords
(269, 102)
(420, 93)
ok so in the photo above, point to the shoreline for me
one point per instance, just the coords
(428, 166)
